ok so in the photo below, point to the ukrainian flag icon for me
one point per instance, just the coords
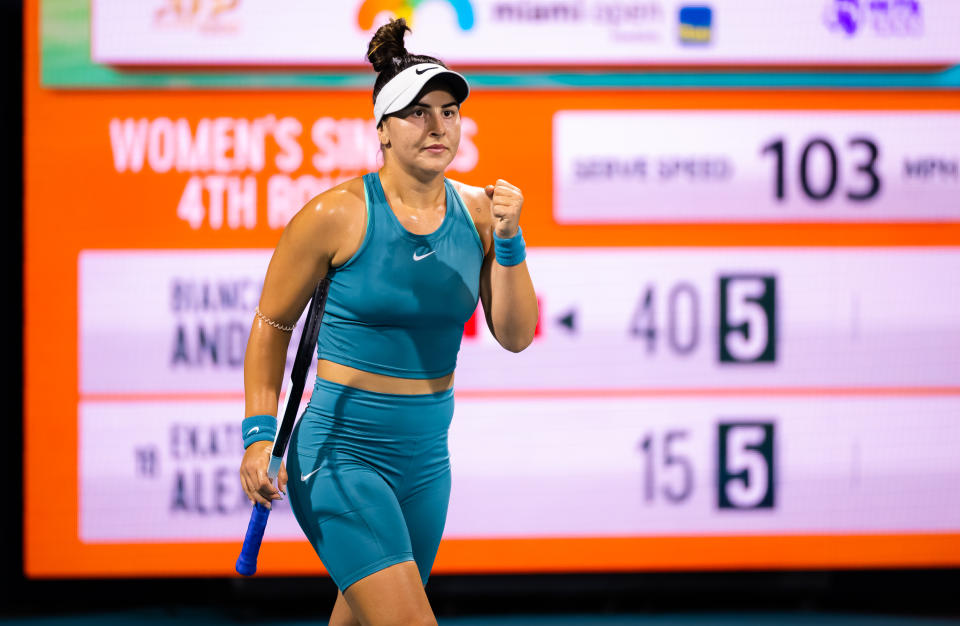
(695, 24)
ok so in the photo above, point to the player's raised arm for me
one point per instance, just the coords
(506, 290)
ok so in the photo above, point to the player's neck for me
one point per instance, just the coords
(411, 190)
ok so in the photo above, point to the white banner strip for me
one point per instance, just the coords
(508, 33)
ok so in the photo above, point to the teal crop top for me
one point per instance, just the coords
(398, 305)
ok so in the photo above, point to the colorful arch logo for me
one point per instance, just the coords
(405, 9)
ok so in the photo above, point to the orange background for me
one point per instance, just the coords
(74, 199)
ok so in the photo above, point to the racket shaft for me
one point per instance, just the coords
(276, 453)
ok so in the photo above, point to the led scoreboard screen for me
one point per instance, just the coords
(748, 354)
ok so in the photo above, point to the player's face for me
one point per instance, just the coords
(426, 134)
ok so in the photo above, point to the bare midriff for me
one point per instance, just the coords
(352, 377)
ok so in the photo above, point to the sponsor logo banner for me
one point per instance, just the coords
(526, 32)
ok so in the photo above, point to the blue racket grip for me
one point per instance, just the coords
(247, 561)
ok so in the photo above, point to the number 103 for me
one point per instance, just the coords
(819, 185)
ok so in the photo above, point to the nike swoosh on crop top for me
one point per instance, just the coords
(398, 305)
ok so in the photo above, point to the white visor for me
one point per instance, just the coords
(400, 91)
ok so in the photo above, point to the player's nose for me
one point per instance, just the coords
(435, 125)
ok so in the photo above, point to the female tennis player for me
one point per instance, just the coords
(409, 253)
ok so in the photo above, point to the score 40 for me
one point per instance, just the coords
(746, 328)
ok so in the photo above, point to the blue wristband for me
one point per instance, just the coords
(510, 251)
(258, 428)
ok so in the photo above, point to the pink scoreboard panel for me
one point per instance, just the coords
(670, 391)
(748, 353)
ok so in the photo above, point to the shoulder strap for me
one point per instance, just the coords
(457, 200)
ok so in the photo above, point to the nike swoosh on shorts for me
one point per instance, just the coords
(304, 477)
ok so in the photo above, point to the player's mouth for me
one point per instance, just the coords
(436, 148)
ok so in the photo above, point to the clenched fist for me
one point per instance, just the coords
(505, 208)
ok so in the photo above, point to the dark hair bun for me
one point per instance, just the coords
(386, 47)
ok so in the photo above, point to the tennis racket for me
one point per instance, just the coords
(247, 561)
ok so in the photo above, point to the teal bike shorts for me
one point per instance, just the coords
(369, 478)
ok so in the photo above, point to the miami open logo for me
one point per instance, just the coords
(370, 9)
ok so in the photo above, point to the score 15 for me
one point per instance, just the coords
(745, 477)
